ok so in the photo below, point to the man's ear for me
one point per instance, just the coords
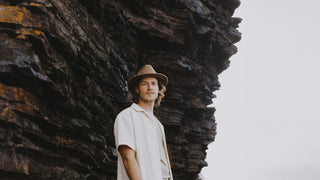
(137, 90)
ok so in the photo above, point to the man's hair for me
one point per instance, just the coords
(135, 95)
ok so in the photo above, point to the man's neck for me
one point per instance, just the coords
(148, 106)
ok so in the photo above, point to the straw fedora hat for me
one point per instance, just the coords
(147, 71)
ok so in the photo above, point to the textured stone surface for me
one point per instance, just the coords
(64, 67)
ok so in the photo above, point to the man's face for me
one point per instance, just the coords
(148, 89)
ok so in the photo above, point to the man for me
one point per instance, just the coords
(139, 135)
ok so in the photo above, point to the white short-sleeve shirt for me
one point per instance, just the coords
(137, 129)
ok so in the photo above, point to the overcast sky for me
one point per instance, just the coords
(268, 107)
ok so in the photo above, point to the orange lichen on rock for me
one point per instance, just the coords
(21, 36)
(25, 168)
(63, 141)
(24, 101)
(14, 165)
(12, 14)
(37, 32)
(35, 4)
(1, 90)
(23, 32)
(22, 166)
(18, 94)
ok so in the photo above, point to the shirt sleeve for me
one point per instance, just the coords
(124, 131)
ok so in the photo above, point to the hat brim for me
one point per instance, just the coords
(161, 77)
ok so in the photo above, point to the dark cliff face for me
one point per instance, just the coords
(64, 67)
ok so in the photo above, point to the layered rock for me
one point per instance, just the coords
(64, 67)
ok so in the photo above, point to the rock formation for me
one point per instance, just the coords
(64, 67)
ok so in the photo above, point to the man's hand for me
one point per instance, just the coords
(130, 162)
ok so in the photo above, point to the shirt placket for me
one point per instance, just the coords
(157, 125)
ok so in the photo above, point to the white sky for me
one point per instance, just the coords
(268, 108)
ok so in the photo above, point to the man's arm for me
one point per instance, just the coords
(130, 163)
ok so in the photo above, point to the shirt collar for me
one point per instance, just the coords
(137, 107)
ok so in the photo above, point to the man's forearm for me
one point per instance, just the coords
(132, 168)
